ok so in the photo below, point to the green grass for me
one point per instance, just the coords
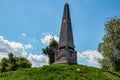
(60, 72)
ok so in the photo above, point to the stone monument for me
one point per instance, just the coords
(66, 53)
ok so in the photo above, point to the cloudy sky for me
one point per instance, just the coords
(26, 27)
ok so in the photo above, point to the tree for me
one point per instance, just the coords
(13, 63)
(3, 64)
(23, 62)
(10, 56)
(50, 50)
(110, 48)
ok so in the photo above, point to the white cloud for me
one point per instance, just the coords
(3, 55)
(46, 39)
(90, 56)
(1, 37)
(23, 34)
(28, 46)
(38, 60)
(16, 48)
(19, 49)
(79, 56)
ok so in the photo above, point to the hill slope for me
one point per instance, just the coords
(60, 72)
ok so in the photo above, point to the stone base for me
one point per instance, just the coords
(60, 62)
(66, 56)
(64, 62)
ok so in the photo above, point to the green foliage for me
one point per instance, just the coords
(110, 48)
(12, 63)
(61, 72)
(50, 50)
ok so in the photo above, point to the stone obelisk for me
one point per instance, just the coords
(66, 53)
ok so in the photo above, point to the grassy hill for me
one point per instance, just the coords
(60, 72)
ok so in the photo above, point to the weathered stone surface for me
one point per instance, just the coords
(66, 36)
(66, 53)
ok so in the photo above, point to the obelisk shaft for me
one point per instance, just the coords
(66, 36)
(66, 53)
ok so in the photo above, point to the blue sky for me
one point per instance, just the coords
(28, 24)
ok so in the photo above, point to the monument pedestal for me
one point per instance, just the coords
(66, 56)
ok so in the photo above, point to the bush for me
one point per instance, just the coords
(12, 63)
